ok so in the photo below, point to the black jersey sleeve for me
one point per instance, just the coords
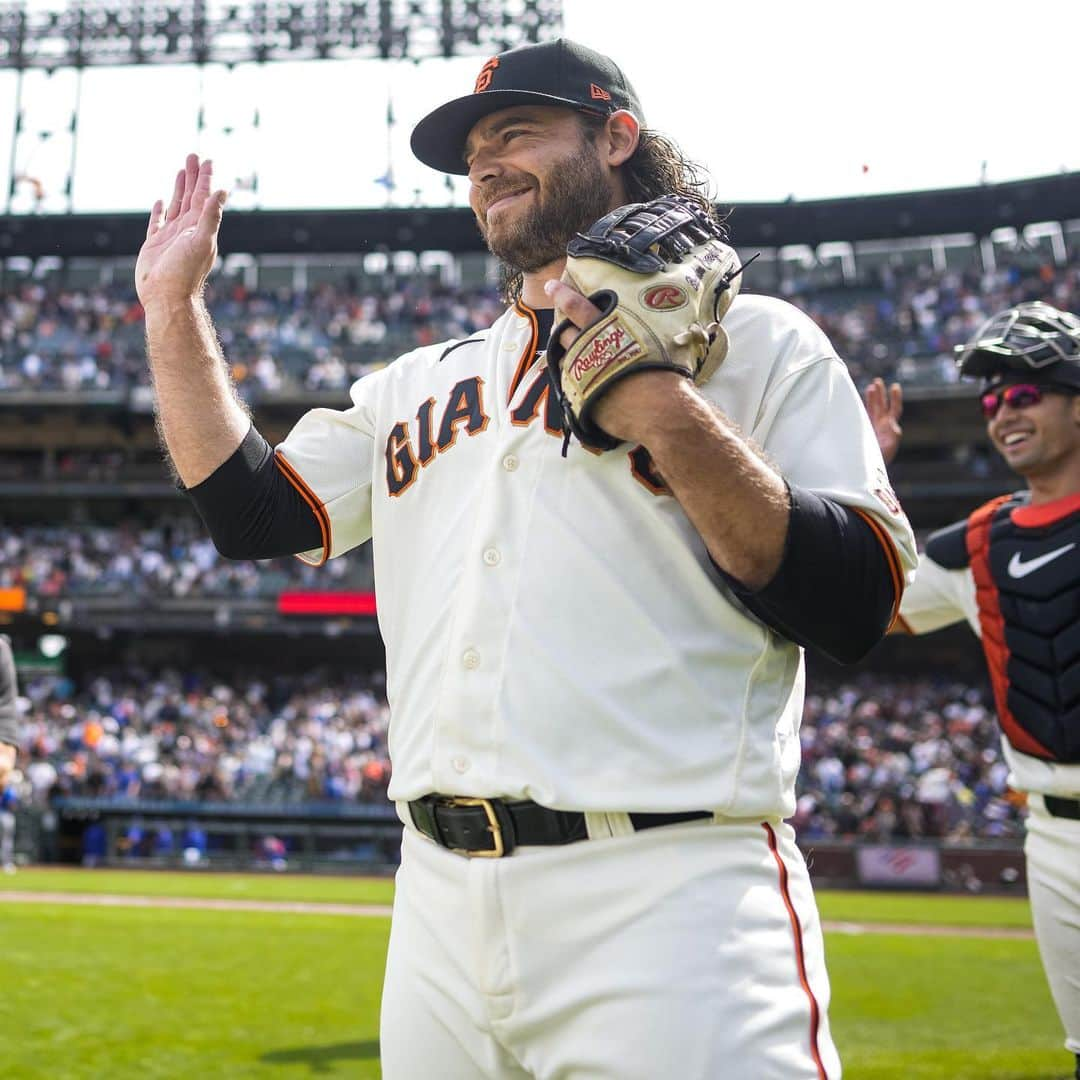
(948, 546)
(251, 509)
(837, 586)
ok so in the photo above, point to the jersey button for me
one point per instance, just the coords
(492, 557)
(471, 659)
(510, 462)
(461, 764)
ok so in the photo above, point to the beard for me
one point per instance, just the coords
(576, 192)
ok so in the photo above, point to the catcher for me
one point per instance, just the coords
(1010, 570)
(593, 647)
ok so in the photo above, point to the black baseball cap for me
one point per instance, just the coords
(559, 72)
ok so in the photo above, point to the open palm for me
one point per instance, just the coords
(181, 243)
(884, 406)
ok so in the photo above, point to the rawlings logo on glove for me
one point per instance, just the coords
(671, 322)
(605, 349)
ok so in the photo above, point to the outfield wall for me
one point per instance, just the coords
(366, 839)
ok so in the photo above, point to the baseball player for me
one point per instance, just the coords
(9, 737)
(1012, 570)
(593, 657)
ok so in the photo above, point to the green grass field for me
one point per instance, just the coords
(128, 993)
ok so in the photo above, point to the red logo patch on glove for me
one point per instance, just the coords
(664, 297)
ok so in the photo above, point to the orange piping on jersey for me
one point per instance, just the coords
(800, 958)
(992, 623)
(526, 358)
(891, 557)
(901, 623)
(1035, 517)
(310, 498)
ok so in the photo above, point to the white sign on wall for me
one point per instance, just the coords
(880, 864)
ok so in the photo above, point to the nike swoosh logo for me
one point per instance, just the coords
(1019, 569)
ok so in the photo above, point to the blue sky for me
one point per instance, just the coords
(776, 98)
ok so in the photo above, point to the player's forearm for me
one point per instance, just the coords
(813, 570)
(200, 416)
(735, 500)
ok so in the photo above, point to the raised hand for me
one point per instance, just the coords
(884, 407)
(181, 243)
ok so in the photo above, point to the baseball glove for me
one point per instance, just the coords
(663, 279)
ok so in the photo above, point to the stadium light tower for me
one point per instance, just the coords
(123, 33)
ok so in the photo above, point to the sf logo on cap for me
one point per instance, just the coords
(483, 80)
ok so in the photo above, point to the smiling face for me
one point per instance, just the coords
(1040, 439)
(537, 179)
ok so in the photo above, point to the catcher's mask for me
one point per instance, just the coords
(1033, 341)
(559, 72)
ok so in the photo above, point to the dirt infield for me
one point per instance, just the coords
(1018, 933)
(383, 910)
(291, 907)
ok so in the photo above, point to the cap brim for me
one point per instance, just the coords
(997, 368)
(439, 139)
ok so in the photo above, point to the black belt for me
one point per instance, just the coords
(491, 828)
(1069, 808)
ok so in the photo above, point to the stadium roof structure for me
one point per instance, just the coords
(115, 33)
(977, 210)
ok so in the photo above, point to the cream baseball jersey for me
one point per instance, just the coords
(554, 627)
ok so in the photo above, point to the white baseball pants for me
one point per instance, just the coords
(690, 951)
(1052, 849)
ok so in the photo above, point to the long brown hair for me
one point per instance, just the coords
(657, 167)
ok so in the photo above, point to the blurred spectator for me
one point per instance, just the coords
(94, 844)
(193, 844)
(271, 851)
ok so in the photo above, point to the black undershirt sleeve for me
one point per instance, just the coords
(251, 510)
(834, 590)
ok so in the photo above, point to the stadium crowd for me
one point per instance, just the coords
(886, 759)
(281, 340)
(882, 758)
(897, 322)
(171, 558)
(905, 323)
(267, 739)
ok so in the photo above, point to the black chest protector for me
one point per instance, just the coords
(1026, 564)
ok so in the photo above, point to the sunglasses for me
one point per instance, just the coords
(1018, 396)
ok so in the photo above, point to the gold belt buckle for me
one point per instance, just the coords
(493, 827)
